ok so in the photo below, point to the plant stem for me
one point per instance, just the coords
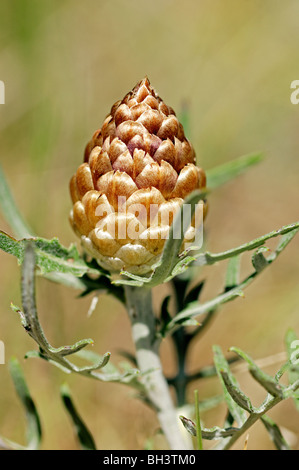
(252, 418)
(269, 403)
(139, 304)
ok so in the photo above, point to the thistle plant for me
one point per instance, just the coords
(139, 205)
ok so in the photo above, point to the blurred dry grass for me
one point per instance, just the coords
(64, 63)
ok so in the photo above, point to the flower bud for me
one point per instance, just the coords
(138, 168)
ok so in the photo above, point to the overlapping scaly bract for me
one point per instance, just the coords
(140, 156)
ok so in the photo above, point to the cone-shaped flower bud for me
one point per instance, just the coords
(137, 170)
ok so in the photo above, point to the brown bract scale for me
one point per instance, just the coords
(138, 168)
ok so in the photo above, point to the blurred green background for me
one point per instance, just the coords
(64, 63)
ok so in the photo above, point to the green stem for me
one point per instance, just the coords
(197, 421)
(143, 322)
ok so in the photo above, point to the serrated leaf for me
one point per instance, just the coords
(287, 233)
(237, 395)
(197, 309)
(111, 373)
(29, 316)
(57, 356)
(83, 434)
(230, 383)
(201, 259)
(31, 324)
(51, 256)
(73, 348)
(34, 431)
(209, 434)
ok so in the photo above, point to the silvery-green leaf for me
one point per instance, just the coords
(51, 256)
(229, 384)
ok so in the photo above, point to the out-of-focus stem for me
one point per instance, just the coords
(139, 304)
